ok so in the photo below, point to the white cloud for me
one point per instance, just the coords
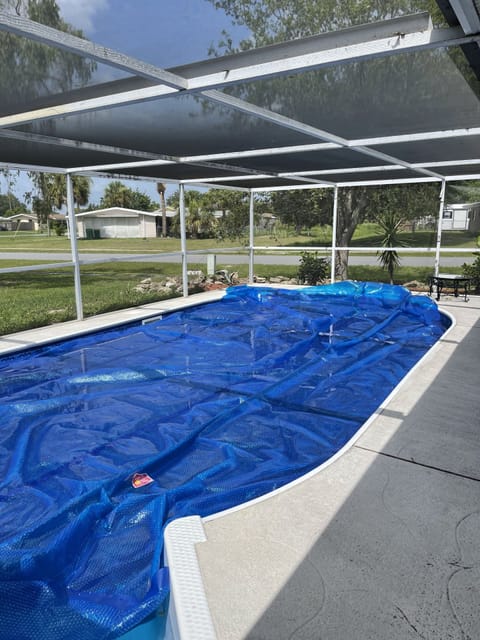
(81, 13)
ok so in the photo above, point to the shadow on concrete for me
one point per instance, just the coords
(400, 558)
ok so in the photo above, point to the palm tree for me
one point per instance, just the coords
(116, 194)
(161, 188)
(58, 190)
(390, 224)
(81, 190)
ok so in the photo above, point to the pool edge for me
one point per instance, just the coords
(189, 615)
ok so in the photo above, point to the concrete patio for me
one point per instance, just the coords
(381, 544)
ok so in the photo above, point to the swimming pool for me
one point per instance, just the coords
(106, 438)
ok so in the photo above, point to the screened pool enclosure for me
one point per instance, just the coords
(366, 100)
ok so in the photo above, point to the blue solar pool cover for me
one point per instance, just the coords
(209, 406)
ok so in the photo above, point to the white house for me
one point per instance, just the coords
(19, 222)
(465, 217)
(118, 222)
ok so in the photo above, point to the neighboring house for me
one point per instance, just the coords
(118, 222)
(465, 217)
(19, 222)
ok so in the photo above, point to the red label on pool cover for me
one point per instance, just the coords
(141, 480)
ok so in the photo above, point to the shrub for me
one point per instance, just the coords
(473, 271)
(312, 270)
(60, 227)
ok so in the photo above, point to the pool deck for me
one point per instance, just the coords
(383, 542)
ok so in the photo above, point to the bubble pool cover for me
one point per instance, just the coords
(217, 404)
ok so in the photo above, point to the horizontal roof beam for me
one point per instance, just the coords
(26, 136)
(323, 146)
(400, 35)
(61, 110)
(38, 32)
(409, 33)
(416, 137)
(152, 161)
(365, 183)
(249, 153)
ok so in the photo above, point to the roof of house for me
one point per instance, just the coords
(22, 216)
(116, 212)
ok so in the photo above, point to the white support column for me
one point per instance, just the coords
(183, 240)
(334, 235)
(439, 228)
(251, 250)
(72, 225)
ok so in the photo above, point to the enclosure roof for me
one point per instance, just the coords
(393, 102)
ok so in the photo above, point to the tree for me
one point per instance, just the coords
(10, 205)
(304, 208)
(333, 96)
(409, 201)
(52, 193)
(203, 207)
(29, 69)
(463, 191)
(43, 202)
(141, 201)
(116, 194)
(199, 223)
(190, 195)
(234, 207)
(161, 188)
(81, 186)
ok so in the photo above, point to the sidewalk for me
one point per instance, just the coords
(383, 543)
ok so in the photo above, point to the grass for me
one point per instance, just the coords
(366, 234)
(106, 245)
(38, 298)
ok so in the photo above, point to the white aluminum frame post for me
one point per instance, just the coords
(183, 239)
(334, 235)
(72, 223)
(251, 248)
(439, 229)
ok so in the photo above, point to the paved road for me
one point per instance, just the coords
(230, 259)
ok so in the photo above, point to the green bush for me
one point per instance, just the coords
(473, 271)
(60, 227)
(313, 270)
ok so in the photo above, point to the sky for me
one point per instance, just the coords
(165, 33)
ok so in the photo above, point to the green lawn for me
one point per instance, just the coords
(121, 245)
(37, 298)
(366, 234)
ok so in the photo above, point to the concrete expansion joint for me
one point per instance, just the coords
(418, 464)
